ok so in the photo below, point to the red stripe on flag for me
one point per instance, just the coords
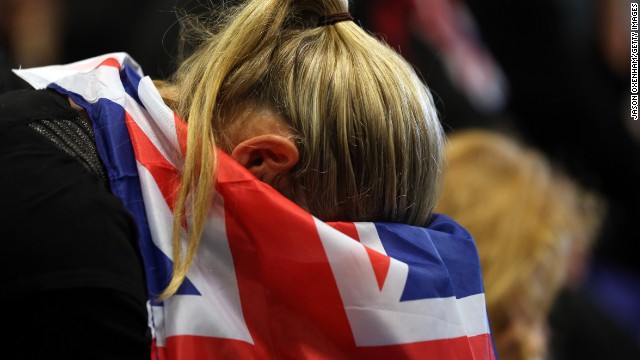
(110, 62)
(200, 347)
(346, 228)
(165, 175)
(191, 347)
(290, 300)
(482, 347)
(461, 348)
(379, 262)
(181, 132)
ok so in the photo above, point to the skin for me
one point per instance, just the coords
(266, 146)
(262, 143)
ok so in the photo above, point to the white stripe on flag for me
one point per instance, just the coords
(379, 317)
(153, 132)
(81, 77)
(163, 116)
(217, 312)
(369, 236)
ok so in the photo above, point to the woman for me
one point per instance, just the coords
(533, 227)
(362, 122)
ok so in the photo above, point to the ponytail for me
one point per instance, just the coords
(368, 136)
(200, 80)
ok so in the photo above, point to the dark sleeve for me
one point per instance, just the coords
(74, 323)
(72, 279)
(580, 329)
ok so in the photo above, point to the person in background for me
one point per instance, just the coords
(565, 71)
(528, 220)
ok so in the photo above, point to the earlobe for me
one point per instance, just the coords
(267, 156)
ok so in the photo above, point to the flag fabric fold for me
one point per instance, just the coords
(269, 280)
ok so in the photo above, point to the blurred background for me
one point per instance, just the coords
(553, 74)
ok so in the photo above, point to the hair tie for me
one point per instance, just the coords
(334, 19)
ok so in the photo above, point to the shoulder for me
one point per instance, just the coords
(69, 245)
(29, 104)
(60, 222)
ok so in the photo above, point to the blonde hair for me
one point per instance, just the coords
(369, 139)
(524, 215)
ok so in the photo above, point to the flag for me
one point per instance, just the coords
(269, 280)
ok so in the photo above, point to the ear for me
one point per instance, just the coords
(267, 156)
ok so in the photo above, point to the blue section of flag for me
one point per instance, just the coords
(116, 151)
(130, 80)
(442, 259)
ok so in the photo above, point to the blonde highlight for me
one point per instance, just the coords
(365, 125)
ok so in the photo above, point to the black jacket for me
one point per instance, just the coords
(72, 278)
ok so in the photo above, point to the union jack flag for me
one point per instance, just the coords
(269, 280)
